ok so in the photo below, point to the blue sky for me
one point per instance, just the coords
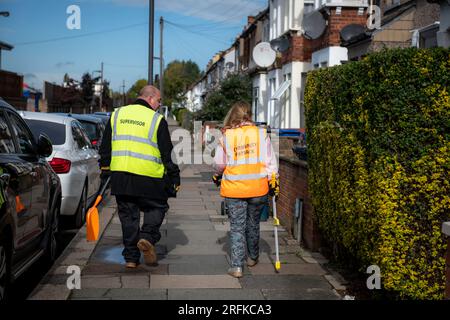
(115, 32)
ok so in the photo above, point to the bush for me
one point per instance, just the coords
(379, 163)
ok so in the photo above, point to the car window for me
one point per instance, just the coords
(78, 136)
(87, 141)
(6, 140)
(23, 135)
(90, 129)
(55, 131)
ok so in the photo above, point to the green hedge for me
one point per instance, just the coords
(379, 164)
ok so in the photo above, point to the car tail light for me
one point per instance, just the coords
(94, 142)
(60, 165)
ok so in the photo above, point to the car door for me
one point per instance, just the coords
(38, 215)
(83, 154)
(92, 164)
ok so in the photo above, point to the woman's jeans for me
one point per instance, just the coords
(244, 217)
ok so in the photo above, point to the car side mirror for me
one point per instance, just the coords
(45, 147)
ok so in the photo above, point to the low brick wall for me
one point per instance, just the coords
(446, 231)
(294, 184)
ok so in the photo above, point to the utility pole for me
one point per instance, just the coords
(101, 88)
(123, 93)
(150, 40)
(161, 59)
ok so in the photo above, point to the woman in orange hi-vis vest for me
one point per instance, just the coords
(244, 164)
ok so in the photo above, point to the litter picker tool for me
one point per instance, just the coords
(276, 223)
(92, 219)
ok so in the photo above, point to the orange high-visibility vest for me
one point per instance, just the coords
(245, 175)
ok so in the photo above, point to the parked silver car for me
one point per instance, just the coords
(74, 159)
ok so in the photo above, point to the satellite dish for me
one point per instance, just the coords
(263, 54)
(280, 44)
(313, 25)
(352, 31)
(229, 65)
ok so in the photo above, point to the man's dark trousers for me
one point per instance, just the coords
(130, 216)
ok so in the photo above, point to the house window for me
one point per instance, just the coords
(255, 103)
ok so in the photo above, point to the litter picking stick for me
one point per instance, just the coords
(92, 218)
(276, 223)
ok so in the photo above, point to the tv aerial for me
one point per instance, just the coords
(313, 25)
(229, 65)
(263, 54)
(280, 44)
(352, 31)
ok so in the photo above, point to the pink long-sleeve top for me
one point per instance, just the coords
(271, 165)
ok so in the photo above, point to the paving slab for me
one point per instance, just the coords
(193, 281)
(300, 269)
(100, 281)
(135, 281)
(215, 294)
(198, 269)
(199, 225)
(93, 293)
(299, 282)
(194, 259)
(137, 294)
(308, 294)
(50, 292)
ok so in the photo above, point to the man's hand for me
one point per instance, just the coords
(217, 179)
(176, 188)
(274, 187)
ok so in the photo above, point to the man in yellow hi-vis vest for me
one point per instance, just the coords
(136, 151)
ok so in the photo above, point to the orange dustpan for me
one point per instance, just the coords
(92, 219)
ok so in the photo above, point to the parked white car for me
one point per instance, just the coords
(74, 159)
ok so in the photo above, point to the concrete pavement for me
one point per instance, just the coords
(192, 258)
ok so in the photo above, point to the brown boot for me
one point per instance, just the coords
(148, 250)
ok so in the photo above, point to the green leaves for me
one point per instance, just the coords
(379, 159)
(235, 88)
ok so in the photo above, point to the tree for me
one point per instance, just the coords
(235, 88)
(87, 88)
(178, 76)
(133, 93)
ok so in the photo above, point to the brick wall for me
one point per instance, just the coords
(294, 184)
(301, 48)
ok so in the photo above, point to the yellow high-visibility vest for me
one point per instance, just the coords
(245, 174)
(134, 141)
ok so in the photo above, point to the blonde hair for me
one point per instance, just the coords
(240, 112)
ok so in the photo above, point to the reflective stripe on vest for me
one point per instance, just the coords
(245, 175)
(134, 141)
(135, 155)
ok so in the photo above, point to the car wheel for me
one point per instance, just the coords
(80, 217)
(52, 244)
(5, 270)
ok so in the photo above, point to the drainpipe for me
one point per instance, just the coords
(298, 214)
